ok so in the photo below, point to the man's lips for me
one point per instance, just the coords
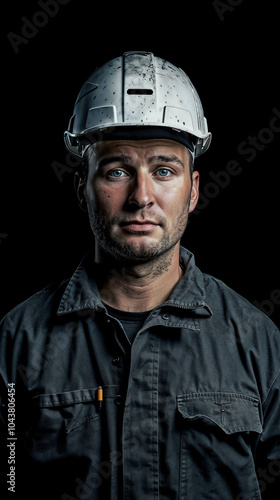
(139, 225)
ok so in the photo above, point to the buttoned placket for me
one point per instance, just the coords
(120, 361)
(133, 429)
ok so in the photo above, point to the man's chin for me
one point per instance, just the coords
(134, 255)
(135, 252)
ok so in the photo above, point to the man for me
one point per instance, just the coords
(140, 378)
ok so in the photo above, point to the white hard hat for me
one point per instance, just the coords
(142, 93)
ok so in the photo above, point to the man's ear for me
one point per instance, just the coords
(80, 186)
(195, 190)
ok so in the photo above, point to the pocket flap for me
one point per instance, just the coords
(64, 398)
(72, 397)
(232, 412)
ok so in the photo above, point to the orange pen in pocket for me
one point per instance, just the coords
(99, 398)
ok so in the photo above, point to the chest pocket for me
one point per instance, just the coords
(67, 442)
(69, 422)
(66, 411)
(218, 432)
(231, 412)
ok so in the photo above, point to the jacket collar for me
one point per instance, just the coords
(82, 293)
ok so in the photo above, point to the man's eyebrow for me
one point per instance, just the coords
(166, 159)
(115, 159)
(121, 158)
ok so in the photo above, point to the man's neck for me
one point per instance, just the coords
(140, 287)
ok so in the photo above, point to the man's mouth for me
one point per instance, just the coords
(136, 226)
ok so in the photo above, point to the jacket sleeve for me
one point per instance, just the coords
(268, 450)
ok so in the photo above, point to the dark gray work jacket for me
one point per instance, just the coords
(191, 410)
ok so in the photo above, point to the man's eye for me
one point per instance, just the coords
(116, 173)
(164, 172)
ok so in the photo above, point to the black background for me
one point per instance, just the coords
(229, 49)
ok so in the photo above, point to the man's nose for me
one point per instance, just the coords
(142, 191)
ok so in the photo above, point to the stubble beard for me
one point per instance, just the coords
(129, 254)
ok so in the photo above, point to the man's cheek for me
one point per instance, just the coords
(94, 199)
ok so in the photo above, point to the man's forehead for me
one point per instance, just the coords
(141, 148)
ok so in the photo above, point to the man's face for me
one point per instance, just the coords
(139, 194)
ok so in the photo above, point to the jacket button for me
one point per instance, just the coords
(116, 361)
(118, 400)
(165, 316)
